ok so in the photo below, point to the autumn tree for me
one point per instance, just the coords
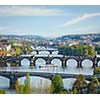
(80, 83)
(93, 85)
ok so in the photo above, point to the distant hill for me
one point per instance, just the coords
(35, 37)
(32, 37)
(91, 36)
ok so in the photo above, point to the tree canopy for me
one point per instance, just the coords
(77, 50)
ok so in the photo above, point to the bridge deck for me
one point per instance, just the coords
(37, 71)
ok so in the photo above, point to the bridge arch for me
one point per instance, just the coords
(72, 62)
(34, 52)
(46, 52)
(87, 63)
(98, 63)
(10, 60)
(55, 52)
(40, 61)
(56, 61)
(25, 62)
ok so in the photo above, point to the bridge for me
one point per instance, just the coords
(50, 50)
(14, 75)
(16, 60)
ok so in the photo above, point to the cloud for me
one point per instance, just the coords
(80, 18)
(28, 11)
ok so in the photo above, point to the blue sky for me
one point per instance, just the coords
(49, 21)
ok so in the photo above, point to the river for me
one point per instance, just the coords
(36, 81)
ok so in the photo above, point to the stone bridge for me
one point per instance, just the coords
(16, 60)
(14, 75)
(48, 50)
(79, 59)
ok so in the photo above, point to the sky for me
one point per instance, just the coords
(49, 21)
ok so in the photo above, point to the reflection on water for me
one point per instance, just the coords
(4, 83)
(38, 84)
(68, 83)
(35, 81)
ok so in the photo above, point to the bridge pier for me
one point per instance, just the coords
(19, 64)
(64, 63)
(50, 52)
(31, 63)
(79, 64)
(37, 52)
(4, 64)
(12, 82)
(94, 64)
(34, 62)
(48, 62)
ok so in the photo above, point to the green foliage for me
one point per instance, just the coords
(77, 50)
(18, 50)
(93, 85)
(97, 71)
(2, 92)
(57, 84)
(51, 88)
(17, 86)
(63, 91)
(27, 84)
(75, 90)
(21, 49)
(86, 52)
(24, 89)
(29, 48)
(98, 91)
(80, 82)
(95, 80)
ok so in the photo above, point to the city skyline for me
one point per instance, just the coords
(49, 21)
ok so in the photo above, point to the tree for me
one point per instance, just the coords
(85, 52)
(77, 50)
(63, 91)
(22, 89)
(95, 80)
(17, 86)
(18, 50)
(93, 85)
(57, 84)
(2, 92)
(75, 90)
(91, 50)
(80, 83)
(98, 91)
(51, 88)
(97, 71)
(27, 88)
